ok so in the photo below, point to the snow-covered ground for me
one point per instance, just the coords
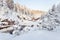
(36, 35)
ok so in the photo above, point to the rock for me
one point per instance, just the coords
(10, 4)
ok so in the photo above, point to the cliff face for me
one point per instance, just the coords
(26, 11)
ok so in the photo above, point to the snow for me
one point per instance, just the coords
(36, 35)
(14, 26)
(4, 36)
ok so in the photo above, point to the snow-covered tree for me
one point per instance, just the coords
(53, 8)
(58, 7)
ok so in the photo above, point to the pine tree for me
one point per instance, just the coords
(53, 8)
(58, 7)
